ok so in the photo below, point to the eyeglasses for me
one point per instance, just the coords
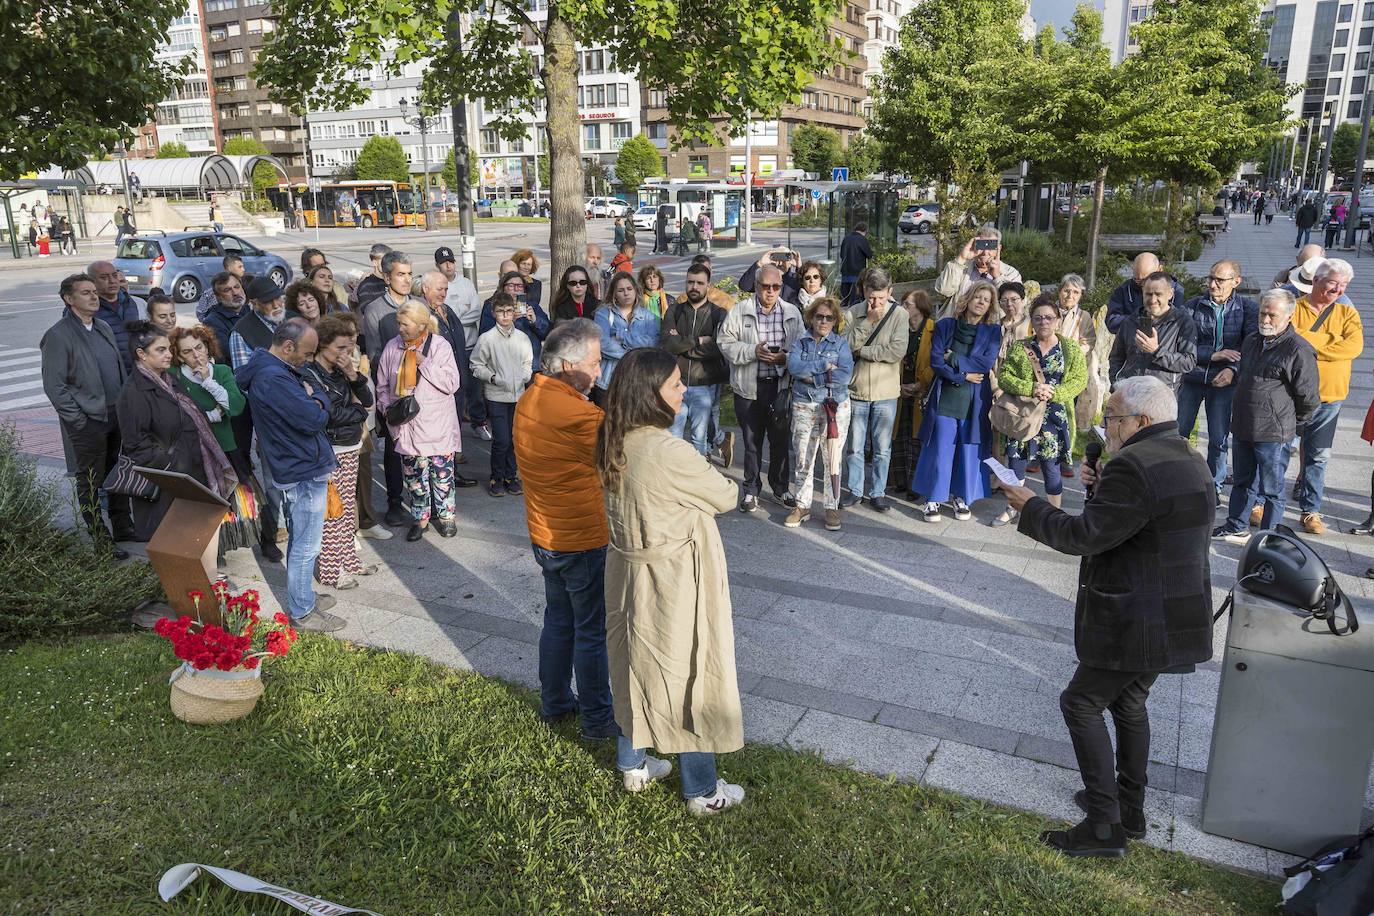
(503, 311)
(1043, 317)
(577, 282)
(1220, 280)
(1109, 417)
(770, 286)
(812, 277)
(823, 318)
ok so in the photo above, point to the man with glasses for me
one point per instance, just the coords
(1275, 392)
(1224, 321)
(755, 339)
(1144, 602)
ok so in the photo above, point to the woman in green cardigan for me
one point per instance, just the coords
(197, 368)
(1065, 375)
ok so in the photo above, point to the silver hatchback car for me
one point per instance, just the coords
(183, 263)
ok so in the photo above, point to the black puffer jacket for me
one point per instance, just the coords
(1277, 387)
(1177, 353)
(346, 415)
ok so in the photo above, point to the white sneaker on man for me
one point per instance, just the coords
(651, 770)
(375, 533)
(726, 795)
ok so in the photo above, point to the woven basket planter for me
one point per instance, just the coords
(214, 697)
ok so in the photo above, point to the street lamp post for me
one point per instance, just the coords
(422, 122)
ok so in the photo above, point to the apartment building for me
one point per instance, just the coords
(236, 31)
(187, 115)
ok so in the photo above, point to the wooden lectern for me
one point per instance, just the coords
(184, 547)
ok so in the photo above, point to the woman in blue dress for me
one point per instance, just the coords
(955, 434)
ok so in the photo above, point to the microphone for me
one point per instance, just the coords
(1091, 453)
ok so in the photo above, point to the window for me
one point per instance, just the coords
(219, 60)
(593, 62)
(517, 146)
(623, 130)
(1362, 61)
(367, 128)
(658, 98)
(1347, 13)
(591, 136)
(1353, 109)
(1368, 12)
(348, 130)
(233, 29)
(236, 56)
(215, 6)
(1366, 36)
(491, 141)
(698, 166)
(1333, 86)
(319, 159)
(1342, 38)
(314, 131)
(330, 131)
(658, 130)
(218, 34)
(1337, 63)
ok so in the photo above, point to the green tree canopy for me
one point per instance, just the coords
(934, 110)
(382, 158)
(717, 61)
(816, 149)
(264, 175)
(638, 159)
(1345, 146)
(864, 156)
(172, 150)
(76, 78)
(450, 173)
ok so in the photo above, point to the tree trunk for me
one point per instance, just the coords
(567, 222)
(1073, 199)
(943, 231)
(1099, 187)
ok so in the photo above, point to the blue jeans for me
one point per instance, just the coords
(1315, 440)
(501, 417)
(1304, 237)
(1049, 470)
(875, 417)
(303, 505)
(1258, 474)
(574, 636)
(1218, 400)
(693, 421)
(696, 769)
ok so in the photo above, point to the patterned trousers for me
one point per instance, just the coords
(808, 436)
(429, 481)
(338, 552)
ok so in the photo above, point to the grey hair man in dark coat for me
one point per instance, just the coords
(1144, 602)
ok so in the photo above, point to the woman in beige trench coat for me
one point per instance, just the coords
(669, 632)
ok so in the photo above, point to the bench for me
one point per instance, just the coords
(1132, 242)
(1208, 226)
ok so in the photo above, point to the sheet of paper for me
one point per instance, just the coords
(1101, 433)
(1002, 472)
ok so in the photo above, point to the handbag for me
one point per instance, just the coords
(333, 503)
(404, 409)
(123, 480)
(1018, 416)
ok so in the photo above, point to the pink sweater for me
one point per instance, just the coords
(434, 431)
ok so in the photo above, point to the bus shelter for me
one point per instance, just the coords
(845, 204)
(61, 195)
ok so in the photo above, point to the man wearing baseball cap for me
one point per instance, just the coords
(467, 306)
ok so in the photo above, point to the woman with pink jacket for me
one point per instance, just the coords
(419, 363)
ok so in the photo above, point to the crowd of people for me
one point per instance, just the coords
(602, 407)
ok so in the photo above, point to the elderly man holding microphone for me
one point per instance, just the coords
(1144, 603)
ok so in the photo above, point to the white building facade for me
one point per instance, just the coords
(187, 116)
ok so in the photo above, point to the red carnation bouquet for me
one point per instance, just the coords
(240, 642)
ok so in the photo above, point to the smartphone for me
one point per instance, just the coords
(775, 349)
(1146, 324)
(780, 258)
(985, 244)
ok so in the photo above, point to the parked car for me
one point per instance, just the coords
(644, 218)
(607, 206)
(1062, 206)
(918, 218)
(183, 263)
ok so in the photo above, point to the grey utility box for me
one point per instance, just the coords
(1294, 730)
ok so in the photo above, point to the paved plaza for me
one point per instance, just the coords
(934, 652)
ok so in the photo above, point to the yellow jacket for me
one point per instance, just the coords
(1338, 341)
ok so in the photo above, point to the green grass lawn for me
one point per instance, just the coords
(386, 781)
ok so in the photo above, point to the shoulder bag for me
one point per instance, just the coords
(1017, 416)
(405, 409)
(123, 480)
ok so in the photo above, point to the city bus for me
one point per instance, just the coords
(379, 203)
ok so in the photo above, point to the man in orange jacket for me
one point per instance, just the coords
(555, 446)
(1334, 330)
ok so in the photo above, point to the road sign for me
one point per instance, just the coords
(815, 195)
(839, 173)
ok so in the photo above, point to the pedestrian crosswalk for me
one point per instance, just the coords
(21, 379)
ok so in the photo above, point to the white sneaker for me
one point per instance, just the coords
(483, 432)
(375, 533)
(931, 512)
(651, 770)
(726, 794)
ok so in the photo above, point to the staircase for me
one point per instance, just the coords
(235, 220)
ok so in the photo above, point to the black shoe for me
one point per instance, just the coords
(270, 551)
(495, 488)
(603, 733)
(446, 529)
(1132, 819)
(464, 482)
(749, 504)
(415, 533)
(1364, 527)
(119, 553)
(879, 504)
(1083, 839)
(785, 498)
(125, 534)
(848, 499)
(397, 517)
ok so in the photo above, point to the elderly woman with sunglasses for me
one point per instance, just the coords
(821, 365)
